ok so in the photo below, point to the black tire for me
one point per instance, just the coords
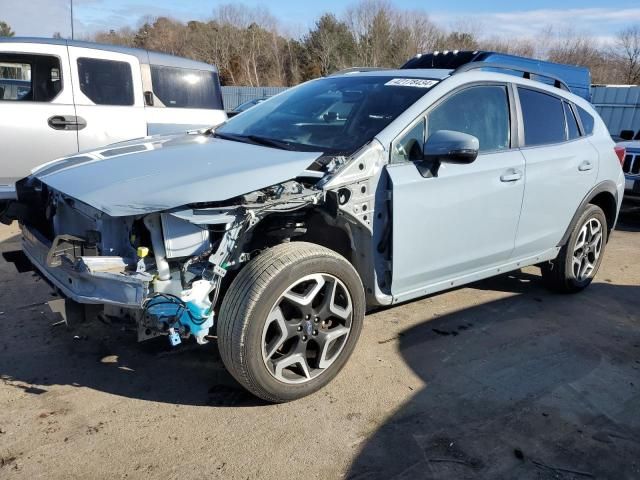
(558, 275)
(248, 303)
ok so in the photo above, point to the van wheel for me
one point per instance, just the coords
(290, 320)
(580, 258)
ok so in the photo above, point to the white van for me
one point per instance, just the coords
(58, 97)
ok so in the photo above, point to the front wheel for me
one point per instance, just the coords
(290, 320)
(580, 258)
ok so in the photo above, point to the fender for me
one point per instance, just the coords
(604, 186)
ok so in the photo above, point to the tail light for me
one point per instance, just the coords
(620, 152)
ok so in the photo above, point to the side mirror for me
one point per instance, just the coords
(447, 146)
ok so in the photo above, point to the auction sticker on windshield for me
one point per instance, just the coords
(411, 82)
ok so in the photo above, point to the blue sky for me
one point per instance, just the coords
(525, 17)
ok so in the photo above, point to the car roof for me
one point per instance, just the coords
(469, 76)
(144, 56)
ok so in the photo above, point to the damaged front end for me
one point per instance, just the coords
(164, 270)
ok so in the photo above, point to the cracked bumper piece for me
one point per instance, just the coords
(83, 283)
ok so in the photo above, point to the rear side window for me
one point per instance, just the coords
(587, 121)
(29, 78)
(106, 82)
(543, 117)
(186, 88)
(481, 111)
(572, 124)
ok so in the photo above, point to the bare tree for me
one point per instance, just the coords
(420, 34)
(370, 23)
(628, 45)
(250, 47)
(573, 48)
(515, 46)
(330, 45)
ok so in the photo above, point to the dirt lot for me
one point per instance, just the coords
(500, 379)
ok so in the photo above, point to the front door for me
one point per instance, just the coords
(465, 219)
(36, 110)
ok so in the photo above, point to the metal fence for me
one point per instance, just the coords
(618, 105)
(234, 96)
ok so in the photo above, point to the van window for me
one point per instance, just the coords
(186, 88)
(543, 117)
(106, 82)
(587, 121)
(29, 78)
(481, 111)
(572, 124)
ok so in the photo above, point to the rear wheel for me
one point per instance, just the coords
(290, 320)
(580, 258)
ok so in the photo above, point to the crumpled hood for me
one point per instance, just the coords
(159, 173)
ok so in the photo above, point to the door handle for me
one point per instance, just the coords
(67, 122)
(585, 166)
(511, 176)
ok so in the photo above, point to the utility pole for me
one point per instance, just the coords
(71, 19)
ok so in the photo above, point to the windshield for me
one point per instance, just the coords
(332, 115)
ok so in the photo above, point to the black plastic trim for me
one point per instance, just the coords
(605, 186)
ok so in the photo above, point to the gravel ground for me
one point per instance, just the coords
(497, 380)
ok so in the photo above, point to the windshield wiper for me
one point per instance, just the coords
(256, 140)
(233, 138)
(270, 142)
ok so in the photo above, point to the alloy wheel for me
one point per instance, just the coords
(307, 328)
(587, 249)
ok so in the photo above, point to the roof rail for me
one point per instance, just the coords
(526, 72)
(358, 69)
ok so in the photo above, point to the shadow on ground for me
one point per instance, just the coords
(535, 385)
(629, 220)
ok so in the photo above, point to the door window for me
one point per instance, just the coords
(572, 125)
(543, 116)
(409, 146)
(106, 82)
(29, 78)
(587, 121)
(481, 111)
(186, 88)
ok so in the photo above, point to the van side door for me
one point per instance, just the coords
(180, 99)
(462, 222)
(561, 168)
(108, 96)
(37, 115)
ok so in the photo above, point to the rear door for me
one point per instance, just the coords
(464, 220)
(108, 96)
(36, 109)
(561, 168)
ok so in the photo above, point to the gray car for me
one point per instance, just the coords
(279, 229)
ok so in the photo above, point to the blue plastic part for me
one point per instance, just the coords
(194, 319)
(578, 79)
(174, 338)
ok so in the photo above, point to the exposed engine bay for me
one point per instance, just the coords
(175, 262)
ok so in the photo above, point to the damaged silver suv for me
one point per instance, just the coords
(277, 230)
